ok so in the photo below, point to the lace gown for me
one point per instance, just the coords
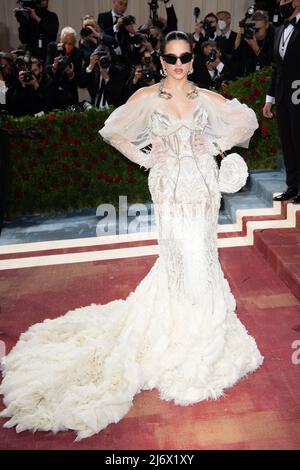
(177, 331)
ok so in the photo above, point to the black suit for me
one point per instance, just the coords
(201, 76)
(105, 21)
(285, 72)
(225, 45)
(245, 61)
(30, 32)
(114, 91)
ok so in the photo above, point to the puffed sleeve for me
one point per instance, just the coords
(230, 123)
(127, 129)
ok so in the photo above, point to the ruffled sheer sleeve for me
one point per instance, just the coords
(127, 129)
(230, 123)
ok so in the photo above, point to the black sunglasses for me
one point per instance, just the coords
(172, 59)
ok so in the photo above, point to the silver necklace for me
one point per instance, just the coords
(165, 94)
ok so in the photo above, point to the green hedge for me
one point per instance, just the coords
(265, 144)
(70, 167)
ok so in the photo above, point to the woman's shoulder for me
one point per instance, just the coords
(144, 92)
(217, 97)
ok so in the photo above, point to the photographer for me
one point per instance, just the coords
(205, 31)
(63, 65)
(38, 26)
(90, 38)
(114, 23)
(104, 79)
(210, 69)
(254, 44)
(35, 91)
(8, 82)
(209, 27)
(141, 76)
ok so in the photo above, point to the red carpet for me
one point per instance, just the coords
(261, 412)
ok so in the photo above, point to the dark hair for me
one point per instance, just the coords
(260, 15)
(7, 56)
(208, 43)
(177, 35)
(211, 15)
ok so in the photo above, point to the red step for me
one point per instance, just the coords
(281, 248)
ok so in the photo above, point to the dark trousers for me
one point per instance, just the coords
(4, 173)
(288, 115)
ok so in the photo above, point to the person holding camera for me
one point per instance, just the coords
(205, 31)
(104, 79)
(141, 76)
(63, 65)
(8, 82)
(90, 38)
(284, 91)
(254, 44)
(38, 26)
(210, 69)
(35, 91)
(114, 23)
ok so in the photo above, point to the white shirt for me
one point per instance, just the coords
(114, 15)
(226, 35)
(219, 68)
(284, 41)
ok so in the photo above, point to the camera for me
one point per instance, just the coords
(63, 59)
(80, 107)
(103, 58)
(212, 56)
(249, 28)
(127, 20)
(28, 76)
(208, 28)
(147, 75)
(138, 39)
(24, 63)
(85, 32)
(23, 11)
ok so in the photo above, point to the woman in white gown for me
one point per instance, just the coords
(177, 331)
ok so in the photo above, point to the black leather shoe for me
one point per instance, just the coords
(296, 199)
(288, 194)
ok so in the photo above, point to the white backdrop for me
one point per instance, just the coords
(71, 11)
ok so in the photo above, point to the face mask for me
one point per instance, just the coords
(221, 24)
(69, 48)
(287, 10)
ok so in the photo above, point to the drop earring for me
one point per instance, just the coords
(190, 71)
(163, 72)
